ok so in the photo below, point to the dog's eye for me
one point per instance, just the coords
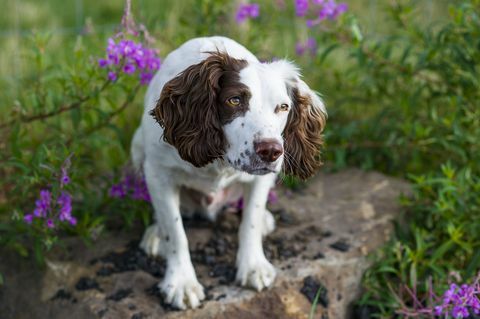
(234, 101)
(283, 107)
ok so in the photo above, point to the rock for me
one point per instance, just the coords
(86, 283)
(324, 232)
(340, 245)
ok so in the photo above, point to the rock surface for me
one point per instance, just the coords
(324, 233)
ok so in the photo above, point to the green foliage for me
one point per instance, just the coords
(440, 238)
(62, 109)
(416, 113)
(420, 88)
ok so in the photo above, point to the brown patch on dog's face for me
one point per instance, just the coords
(192, 111)
(232, 88)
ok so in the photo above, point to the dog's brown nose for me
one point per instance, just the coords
(269, 150)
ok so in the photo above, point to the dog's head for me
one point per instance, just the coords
(258, 117)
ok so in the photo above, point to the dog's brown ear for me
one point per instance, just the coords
(303, 132)
(187, 111)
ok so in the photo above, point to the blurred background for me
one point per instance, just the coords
(400, 80)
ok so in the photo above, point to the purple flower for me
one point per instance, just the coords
(44, 209)
(117, 191)
(102, 63)
(272, 197)
(140, 191)
(65, 179)
(127, 53)
(112, 76)
(28, 218)
(65, 208)
(132, 57)
(129, 68)
(145, 78)
(299, 48)
(459, 301)
(341, 8)
(50, 223)
(460, 312)
(301, 7)
(54, 207)
(254, 10)
(310, 45)
(42, 205)
(327, 9)
(131, 185)
(246, 11)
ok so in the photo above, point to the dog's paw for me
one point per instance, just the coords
(268, 223)
(151, 243)
(255, 271)
(182, 290)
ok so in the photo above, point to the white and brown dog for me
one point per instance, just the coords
(230, 124)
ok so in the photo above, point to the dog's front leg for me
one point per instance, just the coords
(168, 239)
(253, 268)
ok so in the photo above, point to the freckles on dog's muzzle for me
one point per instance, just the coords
(263, 157)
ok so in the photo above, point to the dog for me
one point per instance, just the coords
(219, 124)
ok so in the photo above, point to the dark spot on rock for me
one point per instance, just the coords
(279, 247)
(285, 217)
(102, 313)
(327, 233)
(241, 155)
(105, 271)
(139, 315)
(167, 238)
(340, 245)
(318, 255)
(208, 292)
(247, 152)
(221, 297)
(62, 294)
(131, 306)
(310, 289)
(120, 294)
(133, 258)
(86, 283)
(243, 124)
(224, 271)
(209, 260)
(245, 143)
